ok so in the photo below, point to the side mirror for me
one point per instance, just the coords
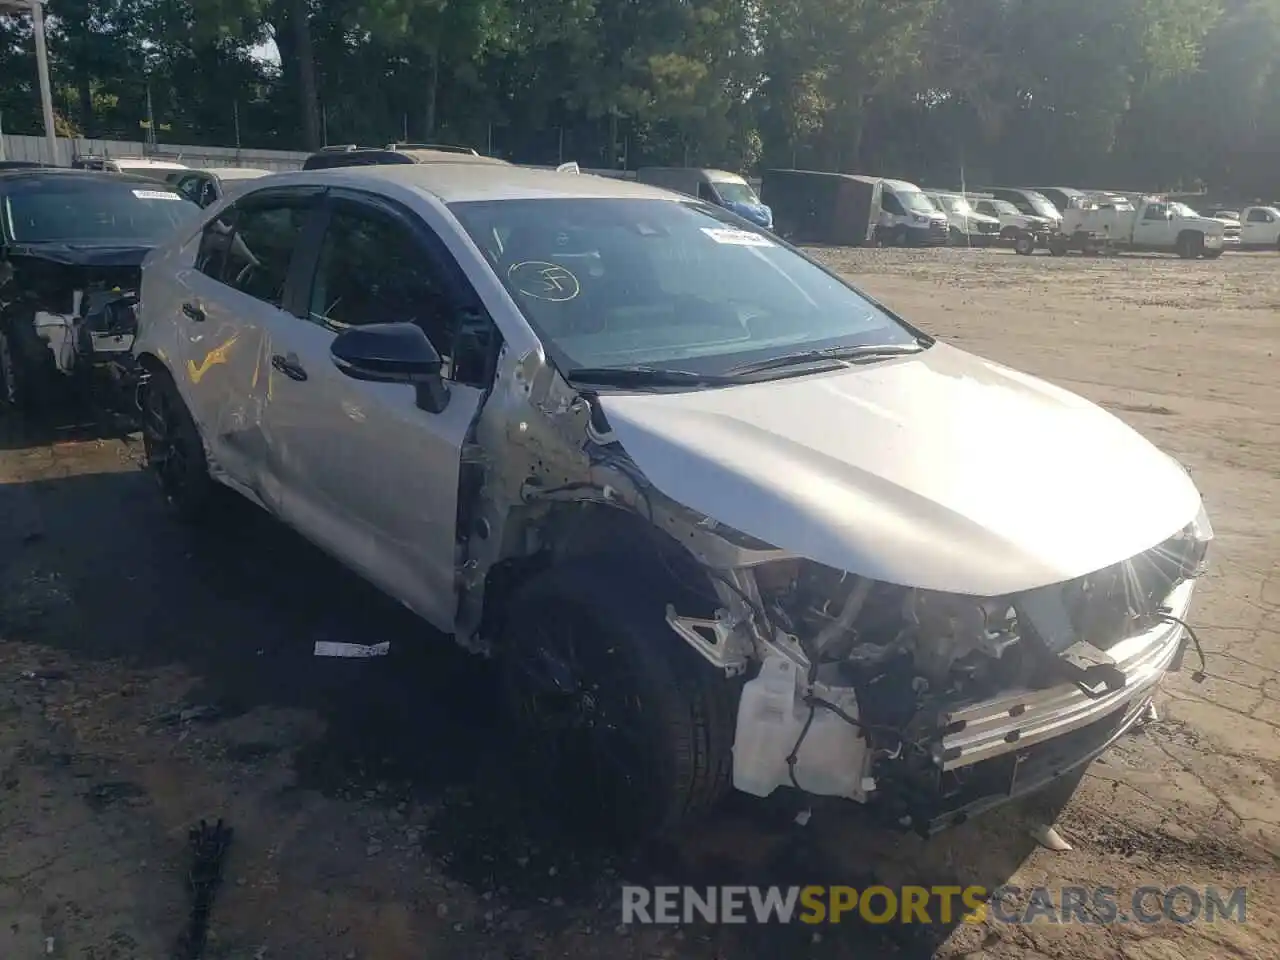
(393, 353)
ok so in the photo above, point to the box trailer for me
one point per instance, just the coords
(813, 207)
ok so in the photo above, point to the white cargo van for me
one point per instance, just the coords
(908, 218)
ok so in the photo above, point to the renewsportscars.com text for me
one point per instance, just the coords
(927, 905)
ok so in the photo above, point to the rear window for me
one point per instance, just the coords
(62, 210)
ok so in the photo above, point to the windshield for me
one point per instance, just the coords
(916, 201)
(955, 204)
(620, 283)
(1041, 205)
(93, 211)
(731, 191)
(1003, 208)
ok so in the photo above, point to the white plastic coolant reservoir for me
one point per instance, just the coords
(832, 760)
(767, 728)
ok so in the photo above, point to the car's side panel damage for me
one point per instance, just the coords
(935, 704)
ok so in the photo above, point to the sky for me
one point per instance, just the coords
(266, 51)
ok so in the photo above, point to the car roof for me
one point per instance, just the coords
(235, 173)
(362, 156)
(459, 182)
(144, 162)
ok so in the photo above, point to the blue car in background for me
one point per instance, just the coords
(720, 187)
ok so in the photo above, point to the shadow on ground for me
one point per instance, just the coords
(93, 566)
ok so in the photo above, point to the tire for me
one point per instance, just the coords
(1212, 254)
(900, 237)
(174, 450)
(599, 632)
(1024, 244)
(1190, 245)
(1058, 247)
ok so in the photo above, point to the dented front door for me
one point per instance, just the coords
(358, 467)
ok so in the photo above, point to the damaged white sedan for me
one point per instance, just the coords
(723, 520)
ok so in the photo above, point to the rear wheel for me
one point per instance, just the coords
(1058, 246)
(623, 726)
(1212, 254)
(175, 452)
(1024, 244)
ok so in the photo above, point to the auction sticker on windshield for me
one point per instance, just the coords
(155, 195)
(737, 238)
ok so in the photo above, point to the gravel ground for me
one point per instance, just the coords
(154, 677)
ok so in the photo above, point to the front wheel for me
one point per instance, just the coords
(26, 374)
(623, 725)
(1211, 254)
(1024, 244)
(174, 449)
(1190, 245)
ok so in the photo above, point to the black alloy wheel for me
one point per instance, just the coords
(174, 451)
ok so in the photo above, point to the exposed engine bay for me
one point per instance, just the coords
(891, 675)
(69, 313)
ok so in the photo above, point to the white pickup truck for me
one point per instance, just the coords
(1156, 225)
(1260, 228)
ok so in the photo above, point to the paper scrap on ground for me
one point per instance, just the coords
(1048, 837)
(332, 648)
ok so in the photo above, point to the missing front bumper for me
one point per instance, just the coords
(1004, 749)
(1016, 721)
(1013, 776)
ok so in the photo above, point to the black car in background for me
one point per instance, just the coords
(71, 250)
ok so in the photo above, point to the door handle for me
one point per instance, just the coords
(289, 366)
(193, 311)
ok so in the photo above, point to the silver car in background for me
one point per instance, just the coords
(722, 520)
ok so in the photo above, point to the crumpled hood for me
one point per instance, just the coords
(942, 471)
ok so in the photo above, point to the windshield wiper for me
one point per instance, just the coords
(643, 377)
(863, 352)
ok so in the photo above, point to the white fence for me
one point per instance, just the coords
(13, 147)
(34, 148)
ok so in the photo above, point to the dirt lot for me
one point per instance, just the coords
(152, 677)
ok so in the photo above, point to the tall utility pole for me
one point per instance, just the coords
(36, 9)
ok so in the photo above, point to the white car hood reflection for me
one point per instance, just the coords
(942, 471)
